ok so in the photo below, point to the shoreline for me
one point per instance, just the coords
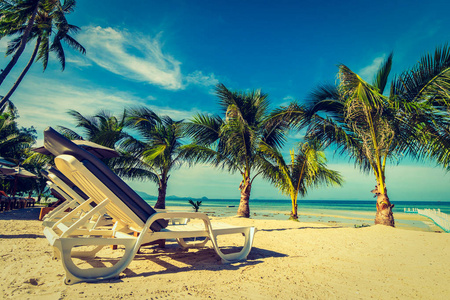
(332, 217)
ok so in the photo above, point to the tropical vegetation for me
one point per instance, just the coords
(360, 121)
(155, 153)
(306, 169)
(195, 205)
(15, 143)
(36, 20)
(237, 140)
(371, 123)
(103, 128)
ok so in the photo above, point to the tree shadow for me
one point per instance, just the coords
(21, 236)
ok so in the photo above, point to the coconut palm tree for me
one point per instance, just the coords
(36, 163)
(359, 120)
(49, 19)
(428, 82)
(235, 142)
(13, 15)
(103, 128)
(157, 151)
(306, 169)
(14, 140)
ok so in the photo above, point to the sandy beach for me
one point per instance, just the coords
(289, 260)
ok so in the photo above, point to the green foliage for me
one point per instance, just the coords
(195, 205)
(102, 128)
(15, 143)
(36, 20)
(156, 152)
(50, 20)
(360, 121)
(235, 141)
(14, 140)
(306, 169)
(362, 225)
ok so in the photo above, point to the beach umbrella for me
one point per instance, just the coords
(5, 162)
(5, 170)
(93, 148)
(20, 172)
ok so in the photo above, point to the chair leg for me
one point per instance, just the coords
(249, 234)
(74, 274)
(201, 244)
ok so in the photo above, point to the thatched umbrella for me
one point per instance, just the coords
(20, 172)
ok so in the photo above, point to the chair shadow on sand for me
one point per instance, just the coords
(172, 256)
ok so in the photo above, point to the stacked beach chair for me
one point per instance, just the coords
(133, 221)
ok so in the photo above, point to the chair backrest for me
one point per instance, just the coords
(57, 144)
(66, 180)
(57, 194)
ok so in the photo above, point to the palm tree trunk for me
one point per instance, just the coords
(161, 202)
(22, 75)
(244, 207)
(294, 214)
(23, 42)
(384, 214)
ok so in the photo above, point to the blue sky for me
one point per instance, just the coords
(169, 55)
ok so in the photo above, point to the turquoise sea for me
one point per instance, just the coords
(334, 212)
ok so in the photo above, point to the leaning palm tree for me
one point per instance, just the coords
(157, 152)
(49, 19)
(361, 121)
(306, 169)
(17, 16)
(235, 142)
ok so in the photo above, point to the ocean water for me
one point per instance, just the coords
(276, 206)
(342, 213)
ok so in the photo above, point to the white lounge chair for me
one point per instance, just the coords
(130, 213)
(74, 197)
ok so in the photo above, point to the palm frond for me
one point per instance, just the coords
(381, 78)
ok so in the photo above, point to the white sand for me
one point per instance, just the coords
(289, 260)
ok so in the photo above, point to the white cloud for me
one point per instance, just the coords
(79, 62)
(198, 78)
(43, 103)
(3, 46)
(368, 73)
(287, 100)
(133, 56)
